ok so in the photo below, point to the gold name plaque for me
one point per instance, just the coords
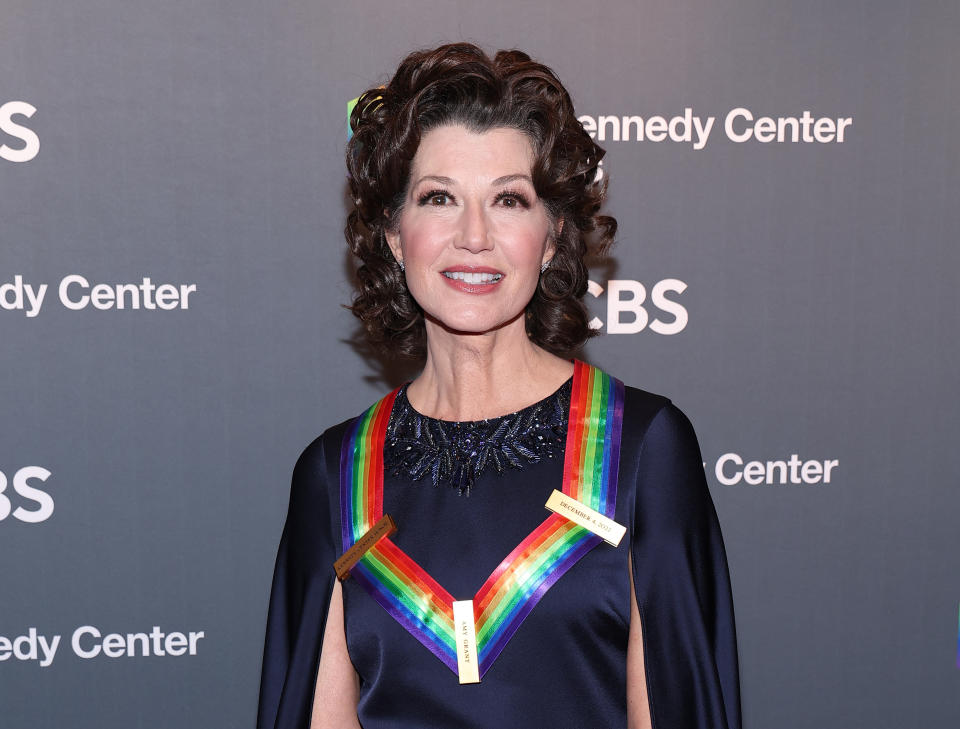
(465, 633)
(383, 528)
(610, 531)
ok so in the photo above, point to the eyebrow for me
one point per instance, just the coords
(512, 178)
(450, 181)
(436, 178)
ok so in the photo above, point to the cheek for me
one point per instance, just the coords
(422, 242)
(526, 245)
(422, 239)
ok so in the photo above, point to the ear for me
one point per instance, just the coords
(393, 239)
(551, 250)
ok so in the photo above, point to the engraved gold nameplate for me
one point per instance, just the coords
(579, 513)
(468, 660)
(383, 528)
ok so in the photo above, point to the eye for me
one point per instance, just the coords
(435, 198)
(512, 199)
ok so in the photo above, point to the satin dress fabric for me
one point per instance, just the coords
(565, 667)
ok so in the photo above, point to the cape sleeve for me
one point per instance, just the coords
(682, 584)
(300, 597)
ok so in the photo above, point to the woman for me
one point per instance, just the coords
(475, 201)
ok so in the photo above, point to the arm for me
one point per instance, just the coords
(300, 599)
(638, 708)
(338, 687)
(681, 585)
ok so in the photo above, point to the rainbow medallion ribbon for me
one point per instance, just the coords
(417, 601)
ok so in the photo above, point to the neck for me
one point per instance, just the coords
(478, 376)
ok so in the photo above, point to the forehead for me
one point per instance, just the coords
(457, 152)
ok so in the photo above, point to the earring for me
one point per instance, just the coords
(545, 266)
(400, 263)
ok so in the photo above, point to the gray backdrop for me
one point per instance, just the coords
(794, 298)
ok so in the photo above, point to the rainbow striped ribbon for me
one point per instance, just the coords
(417, 601)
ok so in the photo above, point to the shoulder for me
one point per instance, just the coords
(314, 489)
(323, 452)
(321, 457)
(661, 453)
(640, 407)
(651, 421)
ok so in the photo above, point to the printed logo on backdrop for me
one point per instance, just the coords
(18, 143)
(88, 642)
(732, 469)
(22, 498)
(740, 125)
(76, 293)
(629, 310)
(350, 104)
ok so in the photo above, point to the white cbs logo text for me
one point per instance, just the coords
(22, 487)
(31, 142)
(627, 306)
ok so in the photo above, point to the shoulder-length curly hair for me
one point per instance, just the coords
(460, 84)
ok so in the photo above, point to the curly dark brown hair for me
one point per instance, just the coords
(460, 84)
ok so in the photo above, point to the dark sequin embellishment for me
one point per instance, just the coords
(456, 453)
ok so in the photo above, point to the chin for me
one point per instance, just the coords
(473, 325)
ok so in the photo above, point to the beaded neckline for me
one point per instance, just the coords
(456, 453)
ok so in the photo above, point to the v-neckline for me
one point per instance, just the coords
(413, 597)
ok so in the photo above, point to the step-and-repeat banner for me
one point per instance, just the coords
(172, 273)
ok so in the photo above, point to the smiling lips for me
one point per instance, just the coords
(473, 279)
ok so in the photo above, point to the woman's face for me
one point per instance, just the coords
(472, 233)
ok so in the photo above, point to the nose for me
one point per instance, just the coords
(473, 234)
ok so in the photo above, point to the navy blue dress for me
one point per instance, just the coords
(565, 667)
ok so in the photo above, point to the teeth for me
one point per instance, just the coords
(473, 278)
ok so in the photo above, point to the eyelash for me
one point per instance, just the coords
(424, 199)
(519, 197)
